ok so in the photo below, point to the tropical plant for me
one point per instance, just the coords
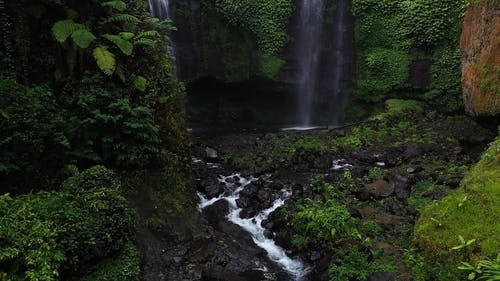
(485, 270)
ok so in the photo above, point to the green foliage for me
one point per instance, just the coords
(31, 137)
(326, 221)
(387, 70)
(115, 4)
(124, 267)
(356, 265)
(124, 45)
(395, 106)
(480, 211)
(266, 19)
(47, 234)
(82, 38)
(389, 35)
(107, 126)
(105, 59)
(270, 66)
(488, 270)
(62, 30)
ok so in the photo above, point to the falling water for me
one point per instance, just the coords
(160, 8)
(342, 58)
(311, 26)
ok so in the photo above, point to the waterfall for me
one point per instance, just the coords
(325, 55)
(311, 26)
(343, 59)
(160, 8)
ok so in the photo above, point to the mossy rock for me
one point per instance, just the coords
(473, 212)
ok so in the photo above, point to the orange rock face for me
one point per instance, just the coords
(480, 44)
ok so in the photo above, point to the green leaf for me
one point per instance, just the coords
(140, 83)
(64, 28)
(125, 46)
(83, 38)
(116, 4)
(148, 33)
(145, 42)
(126, 35)
(105, 59)
(472, 275)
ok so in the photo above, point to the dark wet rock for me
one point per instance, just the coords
(264, 195)
(401, 184)
(355, 212)
(315, 255)
(377, 189)
(413, 150)
(382, 276)
(211, 154)
(243, 202)
(216, 212)
(452, 180)
(394, 207)
(435, 194)
(213, 191)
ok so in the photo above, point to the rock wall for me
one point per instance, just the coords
(480, 44)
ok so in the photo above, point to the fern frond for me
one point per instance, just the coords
(125, 18)
(83, 38)
(148, 33)
(125, 46)
(105, 59)
(146, 42)
(115, 4)
(64, 28)
(126, 35)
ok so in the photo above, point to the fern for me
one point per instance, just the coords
(83, 38)
(126, 35)
(105, 59)
(125, 18)
(64, 29)
(148, 33)
(115, 4)
(146, 42)
(125, 46)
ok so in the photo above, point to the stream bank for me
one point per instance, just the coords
(341, 202)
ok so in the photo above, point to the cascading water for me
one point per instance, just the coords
(325, 53)
(160, 8)
(343, 58)
(254, 225)
(311, 26)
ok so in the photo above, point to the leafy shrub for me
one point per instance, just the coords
(329, 222)
(356, 265)
(31, 135)
(48, 235)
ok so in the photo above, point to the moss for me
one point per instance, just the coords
(400, 106)
(472, 212)
(270, 66)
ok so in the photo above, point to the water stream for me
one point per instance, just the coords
(160, 8)
(311, 28)
(253, 226)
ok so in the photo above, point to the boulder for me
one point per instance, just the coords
(377, 189)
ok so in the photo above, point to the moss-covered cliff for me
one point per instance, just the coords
(480, 44)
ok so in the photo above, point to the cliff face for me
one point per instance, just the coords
(480, 44)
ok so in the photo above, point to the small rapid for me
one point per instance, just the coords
(253, 225)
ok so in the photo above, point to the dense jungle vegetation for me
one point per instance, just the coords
(96, 158)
